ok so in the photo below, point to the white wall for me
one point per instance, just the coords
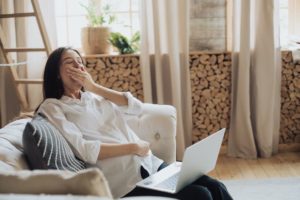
(36, 61)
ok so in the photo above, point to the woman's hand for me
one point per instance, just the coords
(82, 77)
(109, 150)
(142, 148)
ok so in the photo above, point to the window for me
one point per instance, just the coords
(289, 22)
(283, 15)
(289, 15)
(70, 18)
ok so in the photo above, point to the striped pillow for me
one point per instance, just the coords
(46, 148)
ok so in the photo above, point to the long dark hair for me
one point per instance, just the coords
(53, 86)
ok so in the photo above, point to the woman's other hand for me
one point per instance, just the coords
(109, 150)
(142, 148)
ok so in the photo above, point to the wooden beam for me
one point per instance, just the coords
(42, 27)
(21, 49)
(30, 14)
(29, 81)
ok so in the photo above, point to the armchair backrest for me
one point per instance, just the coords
(157, 125)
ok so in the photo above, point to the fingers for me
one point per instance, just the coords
(76, 76)
(78, 80)
(76, 72)
(144, 148)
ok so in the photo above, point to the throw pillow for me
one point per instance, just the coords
(46, 148)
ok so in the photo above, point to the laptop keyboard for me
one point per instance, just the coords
(170, 183)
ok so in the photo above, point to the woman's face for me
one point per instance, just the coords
(70, 59)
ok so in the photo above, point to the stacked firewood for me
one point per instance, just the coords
(290, 100)
(211, 85)
(121, 73)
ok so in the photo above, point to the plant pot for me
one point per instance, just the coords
(94, 40)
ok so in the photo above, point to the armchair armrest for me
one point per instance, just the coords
(157, 125)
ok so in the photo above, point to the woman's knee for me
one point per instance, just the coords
(208, 181)
(195, 192)
(217, 189)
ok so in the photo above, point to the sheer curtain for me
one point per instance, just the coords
(165, 60)
(256, 78)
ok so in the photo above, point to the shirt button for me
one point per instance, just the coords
(157, 136)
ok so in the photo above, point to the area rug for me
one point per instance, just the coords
(267, 189)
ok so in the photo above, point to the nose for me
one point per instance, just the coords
(77, 64)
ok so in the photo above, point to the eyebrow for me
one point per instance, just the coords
(71, 58)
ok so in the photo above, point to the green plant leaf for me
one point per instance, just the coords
(136, 37)
(106, 17)
(121, 43)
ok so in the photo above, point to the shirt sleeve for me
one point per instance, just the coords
(134, 107)
(87, 150)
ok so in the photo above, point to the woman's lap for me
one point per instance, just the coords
(189, 192)
(203, 188)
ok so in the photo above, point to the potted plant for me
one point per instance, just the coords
(123, 44)
(95, 36)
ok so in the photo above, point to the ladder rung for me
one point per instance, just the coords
(13, 64)
(29, 81)
(30, 14)
(24, 49)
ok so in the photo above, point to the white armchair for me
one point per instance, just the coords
(157, 125)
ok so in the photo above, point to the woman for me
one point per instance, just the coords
(92, 119)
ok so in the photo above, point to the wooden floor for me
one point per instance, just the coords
(285, 164)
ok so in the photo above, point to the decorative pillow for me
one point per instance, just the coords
(46, 148)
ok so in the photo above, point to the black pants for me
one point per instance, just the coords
(204, 188)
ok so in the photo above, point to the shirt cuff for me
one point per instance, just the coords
(134, 106)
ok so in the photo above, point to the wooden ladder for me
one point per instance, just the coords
(5, 51)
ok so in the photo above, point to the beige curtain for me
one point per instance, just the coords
(256, 77)
(165, 60)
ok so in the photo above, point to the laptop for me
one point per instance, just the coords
(198, 159)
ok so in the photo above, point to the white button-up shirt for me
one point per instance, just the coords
(87, 122)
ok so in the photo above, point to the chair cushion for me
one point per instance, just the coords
(11, 147)
(46, 148)
(85, 182)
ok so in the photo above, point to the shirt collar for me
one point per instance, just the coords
(83, 98)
